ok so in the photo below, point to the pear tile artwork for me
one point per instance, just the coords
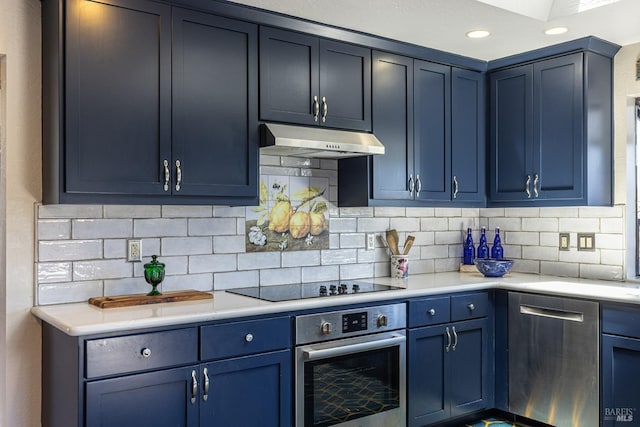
(293, 215)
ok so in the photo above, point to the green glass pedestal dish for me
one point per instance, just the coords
(154, 275)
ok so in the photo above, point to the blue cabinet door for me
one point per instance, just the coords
(620, 379)
(215, 96)
(311, 81)
(118, 97)
(432, 135)
(468, 137)
(158, 399)
(511, 152)
(427, 380)
(470, 383)
(558, 114)
(393, 125)
(248, 391)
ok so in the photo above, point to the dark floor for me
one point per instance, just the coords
(493, 422)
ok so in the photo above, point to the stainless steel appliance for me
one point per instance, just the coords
(350, 367)
(311, 290)
(554, 359)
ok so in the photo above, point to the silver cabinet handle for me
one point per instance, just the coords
(418, 184)
(146, 352)
(526, 186)
(248, 337)
(325, 109)
(455, 187)
(411, 183)
(194, 387)
(178, 175)
(316, 108)
(312, 354)
(448, 346)
(536, 180)
(432, 312)
(167, 174)
(205, 395)
(455, 339)
(471, 307)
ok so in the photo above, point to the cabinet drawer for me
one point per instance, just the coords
(469, 306)
(118, 355)
(429, 311)
(621, 320)
(242, 338)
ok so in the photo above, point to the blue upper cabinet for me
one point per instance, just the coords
(145, 103)
(551, 132)
(313, 81)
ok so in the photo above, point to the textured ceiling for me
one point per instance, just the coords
(442, 24)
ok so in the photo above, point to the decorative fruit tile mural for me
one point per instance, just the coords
(293, 215)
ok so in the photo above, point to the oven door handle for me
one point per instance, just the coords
(353, 348)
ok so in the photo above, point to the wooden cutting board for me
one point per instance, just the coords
(142, 299)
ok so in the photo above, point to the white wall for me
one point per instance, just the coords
(20, 351)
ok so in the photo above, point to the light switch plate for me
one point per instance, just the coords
(586, 241)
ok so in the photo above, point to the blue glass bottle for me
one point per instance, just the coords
(483, 248)
(496, 250)
(469, 250)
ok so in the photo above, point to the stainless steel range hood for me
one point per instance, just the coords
(300, 141)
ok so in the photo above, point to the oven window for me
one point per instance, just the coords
(344, 388)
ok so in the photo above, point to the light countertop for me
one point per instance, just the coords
(85, 319)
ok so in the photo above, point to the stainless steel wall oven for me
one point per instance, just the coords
(350, 367)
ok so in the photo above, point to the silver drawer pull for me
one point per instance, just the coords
(167, 175)
(432, 312)
(455, 339)
(205, 395)
(146, 352)
(471, 307)
(448, 346)
(194, 387)
(527, 186)
(178, 175)
(248, 337)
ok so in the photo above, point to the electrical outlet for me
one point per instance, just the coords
(134, 252)
(565, 242)
(371, 241)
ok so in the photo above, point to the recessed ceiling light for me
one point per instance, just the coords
(556, 31)
(478, 34)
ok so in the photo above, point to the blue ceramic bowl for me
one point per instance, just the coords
(493, 267)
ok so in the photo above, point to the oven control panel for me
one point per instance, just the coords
(347, 323)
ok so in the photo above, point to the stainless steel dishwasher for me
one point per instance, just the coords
(554, 359)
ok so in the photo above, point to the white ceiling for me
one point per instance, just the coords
(442, 24)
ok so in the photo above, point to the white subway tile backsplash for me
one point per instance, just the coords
(448, 212)
(101, 269)
(526, 266)
(552, 239)
(418, 266)
(563, 269)
(343, 225)
(372, 225)
(512, 251)
(435, 251)
(610, 241)
(300, 258)
(101, 228)
(54, 229)
(492, 212)
(173, 265)
(188, 245)
(299, 162)
(603, 272)
(279, 276)
(581, 225)
(252, 261)
(198, 282)
(334, 241)
(340, 256)
(507, 224)
(69, 250)
(67, 292)
(448, 237)
(54, 272)
(213, 226)
(132, 211)
(150, 247)
(228, 211)
(405, 224)
(582, 257)
(612, 225)
(601, 212)
(170, 211)
(212, 263)
(365, 256)
(446, 264)
(522, 212)
(115, 248)
(529, 238)
(320, 273)
(69, 211)
(423, 238)
(236, 279)
(386, 211)
(356, 271)
(434, 224)
(228, 244)
(160, 227)
(540, 224)
(129, 285)
(420, 212)
(352, 240)
(570, 212)
(540, 253)
(612, 256)
(356, 212)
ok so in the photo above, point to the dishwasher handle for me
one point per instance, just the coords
(552, 313)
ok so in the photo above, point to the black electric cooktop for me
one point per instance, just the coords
(330, 289)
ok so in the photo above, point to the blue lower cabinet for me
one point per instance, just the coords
(248, 391)
(449, 371)
(620, 379)
(161, 398)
